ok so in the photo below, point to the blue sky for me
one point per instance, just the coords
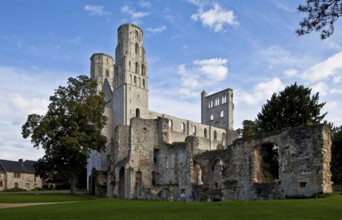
(191, 45)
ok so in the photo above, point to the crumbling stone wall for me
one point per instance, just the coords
(303, 165)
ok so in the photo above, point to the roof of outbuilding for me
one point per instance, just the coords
(15, 166)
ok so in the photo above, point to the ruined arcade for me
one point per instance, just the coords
(152, 155)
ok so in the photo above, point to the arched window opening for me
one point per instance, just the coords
(107, 72)
(170, 124)
(137, 48)
(183, 127)
(194, 130)
(143, 69)
(211, 117)
(136, 35)
(139, 82)
(135, 80)
(129, 66)
(122, 183)
(224, 99)
(144, 83)
(130, 76)
(215, 135)
(205, 132)
(137, 113)
(222, 114)
(136, 67)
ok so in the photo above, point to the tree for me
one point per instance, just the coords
(290, 108)
(250, 128)
(321, 16)
(69, 130)
(336, 155)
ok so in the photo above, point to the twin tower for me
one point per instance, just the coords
(126, 79)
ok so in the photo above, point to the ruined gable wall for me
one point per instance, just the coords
(304, 165)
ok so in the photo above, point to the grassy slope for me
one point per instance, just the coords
(327, 208)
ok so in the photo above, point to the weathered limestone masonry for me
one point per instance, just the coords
(286, 163)
(151, 155)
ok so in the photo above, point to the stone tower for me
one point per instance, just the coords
(217, 110)
(102, 68)
(130, 89)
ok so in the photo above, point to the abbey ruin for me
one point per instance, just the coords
(152, 155)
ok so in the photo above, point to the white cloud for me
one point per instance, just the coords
(200, 74)
(135, 15)
(261, 92)
(320, 87)
(337, 79)
(277, 56)
(145, 4)
(95, 10)
(215, 18)
(284, 7)
(290, 72)
(156, 30)
(325, 69)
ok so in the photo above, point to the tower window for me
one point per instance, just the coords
(222, 114)
(137, 113)
(135, 80)
(205, 132)
(194, 130)
(136, 67)
(215, 135)
(107, 72)
(144, 83)
(137, 48)
(143, 69)
(211, 117)
(183, 127)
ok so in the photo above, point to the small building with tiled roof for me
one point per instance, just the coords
(18, 174)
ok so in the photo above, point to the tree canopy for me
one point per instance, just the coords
(69, 130)
(321, 16)
(290, 108)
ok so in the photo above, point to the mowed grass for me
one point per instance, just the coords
(321, 208)
(32, 197)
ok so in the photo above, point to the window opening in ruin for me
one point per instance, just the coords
(155, 155)
(265, 163)
(129, 65)
(16, 185)
(107, 72)
(216, 174)
(137, 113)
(1, 184)
(224, 99)
(144, 83)
(137, 48)
(170, 124)
(135, 80)
(212, 117)
(215, 135)
(221, 114)
(137, 67)
(194, 130)
(223, 138)
(136, 35)
(154, 177)
(302, 184)
(205, 132)
(139, 82)
(130, 76)
(143, 69)
(183, 127)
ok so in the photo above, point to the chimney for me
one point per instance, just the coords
(21, 162)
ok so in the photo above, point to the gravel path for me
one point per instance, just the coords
(13, 205)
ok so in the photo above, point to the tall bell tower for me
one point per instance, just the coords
(130, 86)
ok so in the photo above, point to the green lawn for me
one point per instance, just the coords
(85, 208)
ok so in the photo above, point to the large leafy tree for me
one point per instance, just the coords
(250, 128)
(321, 16)
(290, 108)
(69, 130)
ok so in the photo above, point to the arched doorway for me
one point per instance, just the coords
(137, 113)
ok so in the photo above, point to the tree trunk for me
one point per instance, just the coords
(73, 184)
